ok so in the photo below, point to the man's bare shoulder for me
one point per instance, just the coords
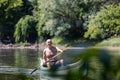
(44, 49)
(54, 47)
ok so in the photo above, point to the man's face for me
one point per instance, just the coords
(49, 42)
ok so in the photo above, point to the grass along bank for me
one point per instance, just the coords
(113, 42)
(73, 42)
(110, 44)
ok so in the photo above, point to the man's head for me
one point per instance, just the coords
(49, 42)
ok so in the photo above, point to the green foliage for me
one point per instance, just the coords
(105, 24)
(110, 42)
(10, 4)
(25, 28)
(24, 44)
(59, 18)
(8, 17)
(93, 32)
(10, 13)
(61, 41)
(64, 18)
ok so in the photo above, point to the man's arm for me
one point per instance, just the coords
(44, 56)
(60, 50)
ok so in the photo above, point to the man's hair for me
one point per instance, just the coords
(48, 40)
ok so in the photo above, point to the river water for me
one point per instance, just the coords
(27, 59)
(18, 58)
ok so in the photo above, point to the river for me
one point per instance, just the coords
(24, 61)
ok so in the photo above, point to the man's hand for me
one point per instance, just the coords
(60, 50)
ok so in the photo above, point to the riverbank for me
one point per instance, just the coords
(19, 46)
(111, 44)
(41, 46)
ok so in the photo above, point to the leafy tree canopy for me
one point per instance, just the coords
(64, 18)
(106, 23)
(25, 29)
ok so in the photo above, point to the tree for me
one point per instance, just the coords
(8, 16)
(64, 18)
(10, 13)
(59, 18)
(25, 30)
(105, 24)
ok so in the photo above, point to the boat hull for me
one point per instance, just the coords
(61, 70)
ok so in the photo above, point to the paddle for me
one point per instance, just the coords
(47, 61)
(54, 57)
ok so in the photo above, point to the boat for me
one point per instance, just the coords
(61, 70)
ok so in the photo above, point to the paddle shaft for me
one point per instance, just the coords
(54, 57)
(34, 70)
(47, 61)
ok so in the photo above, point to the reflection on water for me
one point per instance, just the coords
(18, 77)
(19, 58)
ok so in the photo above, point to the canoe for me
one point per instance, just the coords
(59, 73)
(61, 70)
(41, 70)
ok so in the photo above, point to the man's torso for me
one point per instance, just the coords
(50, 52)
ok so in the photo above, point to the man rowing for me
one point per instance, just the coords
(49, 54)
